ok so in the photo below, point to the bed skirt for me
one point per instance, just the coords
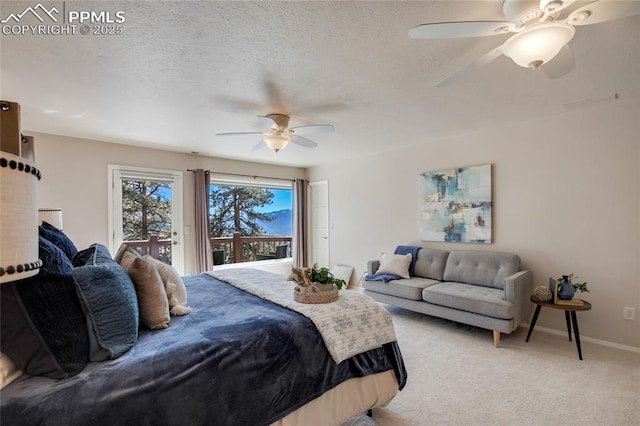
(346, 400)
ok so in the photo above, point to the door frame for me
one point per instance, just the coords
(316, 245)
(115, 175)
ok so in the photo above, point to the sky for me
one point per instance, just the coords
(281, 201)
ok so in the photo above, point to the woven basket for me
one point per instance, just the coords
(315, 298)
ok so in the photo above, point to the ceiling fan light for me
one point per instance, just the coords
(539, 44)
(276, 140)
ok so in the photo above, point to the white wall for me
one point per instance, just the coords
(75, 178)
(566, 193)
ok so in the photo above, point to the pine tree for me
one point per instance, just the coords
(233, 210)
(146, 210)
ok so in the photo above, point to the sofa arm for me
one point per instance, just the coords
(372, 266)
(517, 290)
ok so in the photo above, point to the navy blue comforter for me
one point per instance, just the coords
(235, 360)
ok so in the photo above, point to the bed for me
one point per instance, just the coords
(236, 359)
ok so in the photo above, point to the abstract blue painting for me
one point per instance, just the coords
(455, 205)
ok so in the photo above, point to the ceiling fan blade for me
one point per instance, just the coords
(312, 129)
(258, 146)
(299, 140)
(563, 63)
(461, 29)
(603, 10)
(481, 61)
(238, 133)
(266, 121)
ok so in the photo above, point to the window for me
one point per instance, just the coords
(250, 220)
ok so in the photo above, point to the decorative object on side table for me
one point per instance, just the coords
(565, 288)
(543, 293)
(315, 285)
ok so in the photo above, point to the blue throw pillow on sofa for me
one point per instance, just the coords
(58, 238)
(42, 324)
(108, 298)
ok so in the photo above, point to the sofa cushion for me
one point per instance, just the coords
(430, 263)
(487, 269)
(407, 289)
(471, 298)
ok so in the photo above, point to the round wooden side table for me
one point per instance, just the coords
(569, 311)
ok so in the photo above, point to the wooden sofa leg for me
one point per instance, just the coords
(496, 338)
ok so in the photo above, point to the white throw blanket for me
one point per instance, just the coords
(353, 324)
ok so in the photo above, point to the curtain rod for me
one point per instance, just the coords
(241, 175)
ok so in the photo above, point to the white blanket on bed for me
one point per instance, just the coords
(353, 324)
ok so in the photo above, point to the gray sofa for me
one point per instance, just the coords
(480, 288)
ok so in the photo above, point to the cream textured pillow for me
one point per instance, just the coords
(174, 286)
(8, 370)
(152, 297)
(397, 264)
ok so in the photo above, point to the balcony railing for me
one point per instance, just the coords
(154, 247)
(234, 249)
(239, 249)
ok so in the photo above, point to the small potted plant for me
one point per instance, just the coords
(315, 285)
(324, 279)
(567, 287)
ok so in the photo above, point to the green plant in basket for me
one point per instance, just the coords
(324, 276)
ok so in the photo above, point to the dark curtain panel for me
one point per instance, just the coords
(300, 223)
(204, 259)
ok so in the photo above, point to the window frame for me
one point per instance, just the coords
(115, 175)
(256, 182)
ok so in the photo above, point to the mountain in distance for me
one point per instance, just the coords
(280, 226)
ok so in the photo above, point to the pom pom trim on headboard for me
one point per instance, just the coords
(23, 167)
(23, 267)
(19, 218)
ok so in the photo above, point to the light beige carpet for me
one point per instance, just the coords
(457, 377)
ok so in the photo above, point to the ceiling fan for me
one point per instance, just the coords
(540, 35)
(278, 133)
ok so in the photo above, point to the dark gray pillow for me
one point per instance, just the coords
(42, 324)
(58, 238)
(109, 301)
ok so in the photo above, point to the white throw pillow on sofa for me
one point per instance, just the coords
(397, 264)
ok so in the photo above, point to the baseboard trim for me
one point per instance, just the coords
(585, 338)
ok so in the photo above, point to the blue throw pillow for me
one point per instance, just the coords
(42, 324)
(108, 298)
(58, 238)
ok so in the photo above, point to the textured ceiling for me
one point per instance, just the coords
(181, 72)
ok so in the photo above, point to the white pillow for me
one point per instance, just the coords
(397, 264)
